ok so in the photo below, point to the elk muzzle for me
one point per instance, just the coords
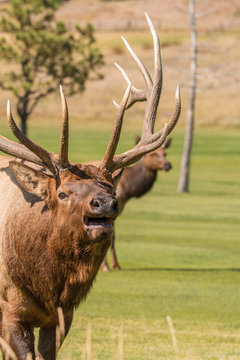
(100, 212)
(167, 166)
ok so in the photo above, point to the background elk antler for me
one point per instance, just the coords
(151, 94)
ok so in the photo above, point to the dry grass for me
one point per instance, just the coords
(217, 101)
(173, 335)
(218, 79)
(60, 336)
(120, 343)
(128, 14)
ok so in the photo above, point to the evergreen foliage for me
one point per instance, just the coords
(43, 53)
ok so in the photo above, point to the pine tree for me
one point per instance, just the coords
(43, 53)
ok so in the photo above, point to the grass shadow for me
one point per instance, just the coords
(184, 269)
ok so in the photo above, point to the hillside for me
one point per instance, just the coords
(218, 77)
(166, 14)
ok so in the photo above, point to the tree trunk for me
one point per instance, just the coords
(24, 125)
(22, 109)
(183, 184)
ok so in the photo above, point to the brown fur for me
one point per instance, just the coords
(136, 181)
(48, 258)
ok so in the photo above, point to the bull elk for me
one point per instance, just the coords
(136, 181)
(57, 219)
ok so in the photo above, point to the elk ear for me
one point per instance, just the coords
(167, 143)
(31, 180)
(116, 177)
(137, 139)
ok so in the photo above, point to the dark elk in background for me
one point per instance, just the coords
(136, 181)
(56, 220)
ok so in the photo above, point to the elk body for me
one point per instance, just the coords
(56, 220)
(136, 181)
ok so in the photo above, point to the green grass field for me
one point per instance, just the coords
(180, 255)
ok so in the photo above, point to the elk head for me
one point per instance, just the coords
(84, 193)
(80, 193)
(157, 159)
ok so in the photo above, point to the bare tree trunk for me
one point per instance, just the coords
(22, 109)
(24, 125)
(183, 184)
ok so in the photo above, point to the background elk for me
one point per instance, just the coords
(136, 181)
(56, 219)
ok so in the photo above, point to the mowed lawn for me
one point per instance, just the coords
(180, 255)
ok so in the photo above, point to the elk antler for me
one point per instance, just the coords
(63, 150)
(32, 152)
(151, 94)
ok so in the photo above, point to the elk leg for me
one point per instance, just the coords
(19, 336)
(105, 267)
(0, 322)
(47, 340)
(114, 260)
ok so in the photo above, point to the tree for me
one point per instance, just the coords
(183, 184)
(43, 54)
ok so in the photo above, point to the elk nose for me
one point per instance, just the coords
(168, 166)
(106, 205)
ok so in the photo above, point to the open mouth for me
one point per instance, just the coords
(97, 222)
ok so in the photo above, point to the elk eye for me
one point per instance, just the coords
(62, 195)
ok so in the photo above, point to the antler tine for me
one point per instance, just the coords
(149, 140)
(153, 101)
(63, 150)
(177, 111)
(41, 153)
(18, 150)
(124, 74)
(135, 94)
(174, 118)
(153, 89)
(153, 143)
(135, 154)
(142, 68)
(112, 145)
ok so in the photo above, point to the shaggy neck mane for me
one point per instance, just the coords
(59, 269)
